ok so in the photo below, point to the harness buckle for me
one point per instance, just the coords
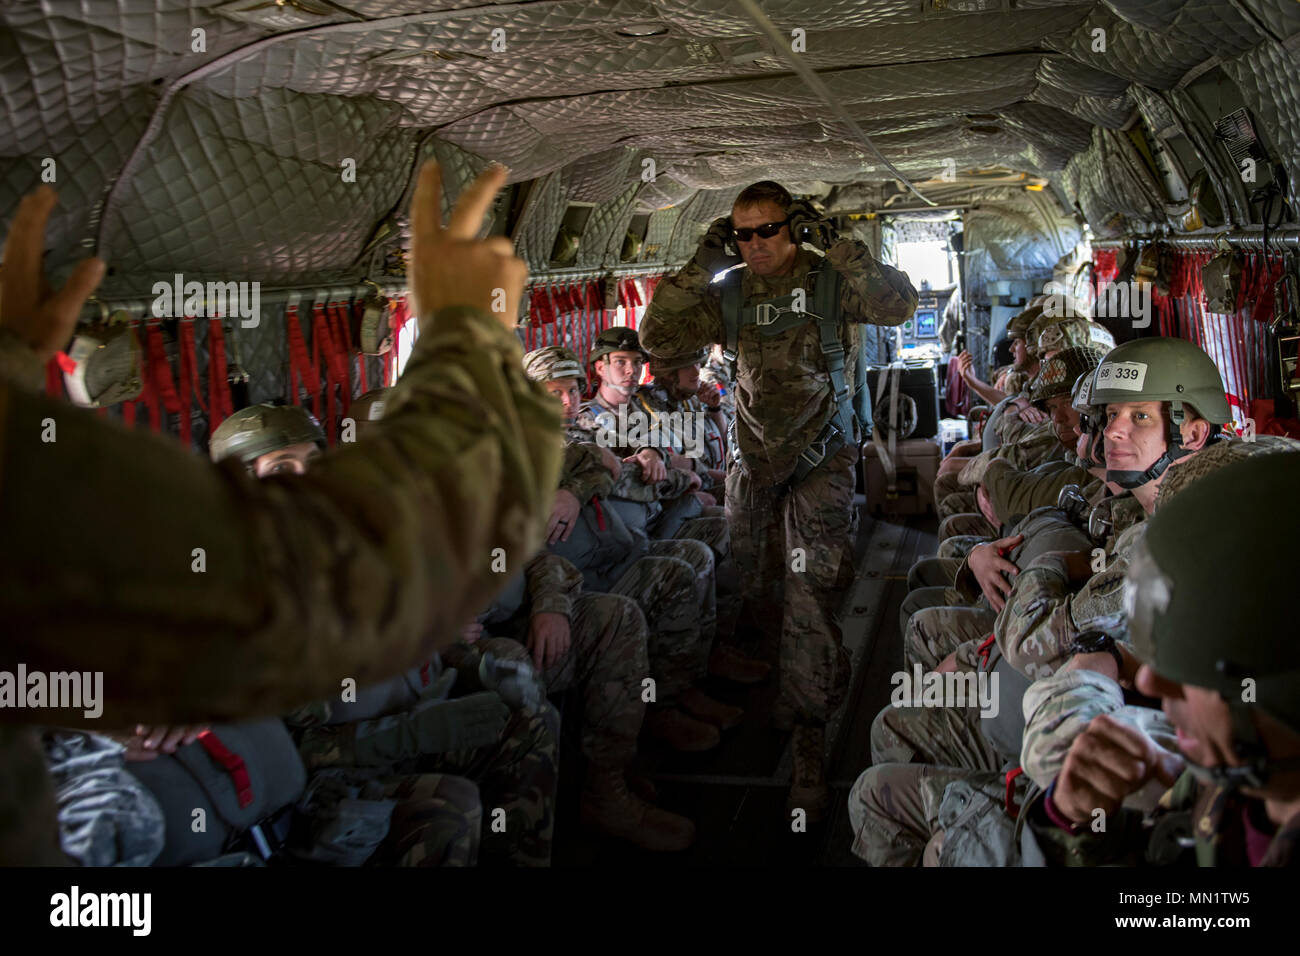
(765, 313)
(815, 453)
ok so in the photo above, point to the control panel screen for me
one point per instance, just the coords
(926, 323)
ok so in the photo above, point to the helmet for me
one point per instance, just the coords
(257, 430)
(1200, 612)
(671, 363)
(1052, 332)
(1091, 419)
(1018, 326)
(882, 412)
(106, 363)
(1061, 371)
(1161, 370)
(555, 362)
(616, 338)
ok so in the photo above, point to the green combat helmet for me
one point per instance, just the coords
(1018, 326)
(1059, 329)
(1092, 419)
(554, 362)
(1161, 370)
(671, 363)
(616, 338)
(257, 430)
(1200, 613)
(1060, 372)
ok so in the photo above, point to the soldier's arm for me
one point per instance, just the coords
(683, 315)
(1058, 708)
(1045, 614)
(553, 584)
(1014, 491)
(584, 473)
(244, 597)
(872, 291)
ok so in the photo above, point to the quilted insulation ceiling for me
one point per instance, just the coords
(212, 139)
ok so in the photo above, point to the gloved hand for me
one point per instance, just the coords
(716, 249)
(808, 225)
(517, 683)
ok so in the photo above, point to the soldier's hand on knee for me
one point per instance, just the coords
(948, 665)
(993, 571)
(29, 308)
(564, 516)
(706, 499)
(452, 266)
(1106, 763)
(652, 464)
(548, 638)
(986, 506)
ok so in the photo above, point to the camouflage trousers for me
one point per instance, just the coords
(935, 631)
(959, 545)
(795, 557)
(711, 528)
(894, 811)
(516, 777)
(946, 486)
(673, 586)
(437, 821)
(969, 522)
(606, 662)
(938, 572)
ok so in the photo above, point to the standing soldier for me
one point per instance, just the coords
(787, 319)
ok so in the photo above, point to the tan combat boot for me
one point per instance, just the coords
(808, 790)
(608, 807)
(680, 731)
(730, 664)
(703, 707)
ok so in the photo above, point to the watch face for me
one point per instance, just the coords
(1092, 642)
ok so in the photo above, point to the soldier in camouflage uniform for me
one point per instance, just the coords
(1228, 685)
(412, 755)
(718, 386)
(789, 505)
(671, 581)
(300, 589)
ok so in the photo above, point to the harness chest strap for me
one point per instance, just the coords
(774, 316)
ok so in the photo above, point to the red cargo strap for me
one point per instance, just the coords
(299, 364)
(343, 348)
(1013, 809)
(232, 762)
(600, 513)
(148, 393)
(160, 373)
(54, 374)
(986, 649)
(189, 382)
(220, 404)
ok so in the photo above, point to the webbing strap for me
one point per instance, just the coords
(233, 764)
(890, 377)
(220, 404)
(160, 371)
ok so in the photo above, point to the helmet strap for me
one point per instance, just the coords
(1174, 450)
(1257, 768)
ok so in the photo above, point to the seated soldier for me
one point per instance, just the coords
(955, 738)
(1227, 680)
(391, 750)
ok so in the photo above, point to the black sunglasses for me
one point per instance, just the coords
(765, 231)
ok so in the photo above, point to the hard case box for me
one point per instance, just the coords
(916, 463)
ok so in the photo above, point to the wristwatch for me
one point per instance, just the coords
(1096, 642)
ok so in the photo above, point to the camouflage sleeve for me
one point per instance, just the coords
(1013, 491)
(1044, 615)
(553, 584)
(201, 594)
(683, 315)
(873, 292)
(584, 473)
(1060, 707)
(19, 364)
(631, 486)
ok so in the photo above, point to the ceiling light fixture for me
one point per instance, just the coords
(646, 29)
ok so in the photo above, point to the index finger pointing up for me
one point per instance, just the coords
(426, 205)
(474, 203)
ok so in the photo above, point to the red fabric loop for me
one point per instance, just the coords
(1013, 810)
(233, 764)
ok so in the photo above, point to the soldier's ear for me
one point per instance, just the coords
(1195, 434)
